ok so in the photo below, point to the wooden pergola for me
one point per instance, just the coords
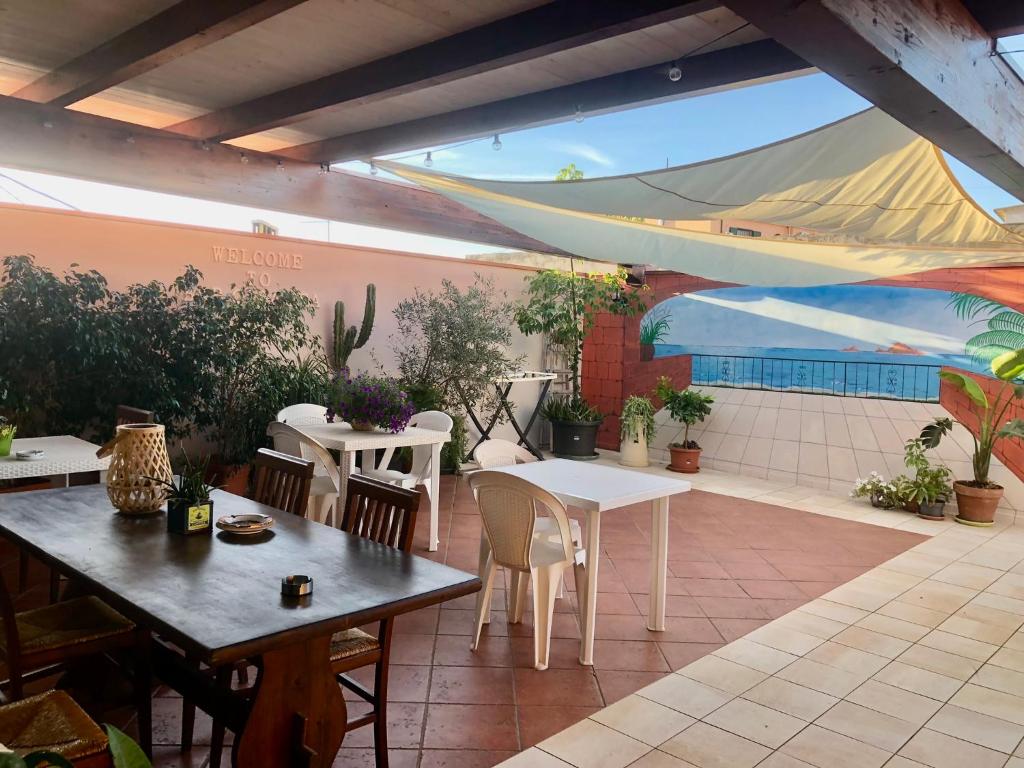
(247, 101)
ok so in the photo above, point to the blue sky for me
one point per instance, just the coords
(641, 139)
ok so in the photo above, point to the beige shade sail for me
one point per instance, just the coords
(882, 191)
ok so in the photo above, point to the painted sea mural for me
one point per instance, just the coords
(862, 340)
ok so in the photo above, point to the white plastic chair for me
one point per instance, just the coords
(302, 414)
(501, 453)
(509, 507)
(420, 474)
(326, 486)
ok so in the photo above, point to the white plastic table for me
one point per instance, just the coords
(342, 437)
(64, 455)
(597, 488)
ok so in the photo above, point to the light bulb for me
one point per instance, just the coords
(244, 158)
(429, 160)
(578, 117)
(675, 74)
(280, 165)
(496, 144)
(47, 124)
(373, 169)
(130, 139)
(324, 168)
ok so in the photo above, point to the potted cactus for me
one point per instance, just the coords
(688, 406)
(636, 423)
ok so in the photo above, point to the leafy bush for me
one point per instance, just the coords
(686, 405)
(570, 409)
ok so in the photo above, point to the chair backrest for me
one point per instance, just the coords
(287, 439)
(501, 453)
(126, 414)
(509, 507)
(303, 413)
(11, 635)
(282, 481)
(380, 512)
(436, 420)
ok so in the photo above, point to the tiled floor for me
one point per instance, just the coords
(735, 564)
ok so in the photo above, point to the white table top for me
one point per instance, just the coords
(342, 437)
(596, 487)
(64, 455)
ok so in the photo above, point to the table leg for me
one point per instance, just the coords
(659, 564)
(435, 493)
(298, 716)
(588, 610)
(344, 470)
(369, 459)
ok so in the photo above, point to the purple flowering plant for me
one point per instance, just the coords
(372, 400)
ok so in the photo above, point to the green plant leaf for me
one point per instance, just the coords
(125, 752)
(932, 434)
(1009, 365)
(11, 760)
(967, 385)
(1012, 428)
(50, 759)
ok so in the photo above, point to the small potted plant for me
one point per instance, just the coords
(653, 330)
(875, 488)
(7, 431)
(977, 499)
(573, 427)
(688, 406)
(637, 429)
(368, 402)
(927, 491)
(189, 506)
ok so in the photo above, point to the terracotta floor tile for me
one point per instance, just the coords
(699, 570)
(731, 608)
(629, 655)
(557, 687)
(471, 726)
(678, 655)
(617, 685)
(471, 685)
(364, 758)
(405, 728)
(538, 723)
(713, 588)
(454, 651)
(772, 589)
(462, 758)
(752, 571)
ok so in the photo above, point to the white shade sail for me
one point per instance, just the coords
(884, 192)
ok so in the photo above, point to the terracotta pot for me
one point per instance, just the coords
(233, 478)
(646, 351)
(685, 460)
(362, 426)
(976, 506)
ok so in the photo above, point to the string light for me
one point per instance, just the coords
(373, 168)
(244, 158)
(130, 139)
(324, 169)
(578, 117)
(280, 165)
(429, 160)
(204, 145)
(675, 74)
(496, 144)
(47, 124)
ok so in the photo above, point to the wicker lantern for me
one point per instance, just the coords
(139, 462)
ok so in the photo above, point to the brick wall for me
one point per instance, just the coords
(1010, 452)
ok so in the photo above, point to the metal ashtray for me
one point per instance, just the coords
(297, 585)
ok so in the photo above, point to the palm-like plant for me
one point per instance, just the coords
(1005, 326)
(654, 328)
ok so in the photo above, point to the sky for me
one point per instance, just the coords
(673, 133)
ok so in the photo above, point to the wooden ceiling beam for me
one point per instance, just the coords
(728, 67)
(174, 32)
(928, 63)
(1000, 18)
(547, 29)
(46, 139)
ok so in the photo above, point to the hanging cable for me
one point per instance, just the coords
(39, 192)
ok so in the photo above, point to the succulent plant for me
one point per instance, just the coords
(347, 339)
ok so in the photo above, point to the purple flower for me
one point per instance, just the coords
(373, 399)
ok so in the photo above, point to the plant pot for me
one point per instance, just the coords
(187, 517)
(684, 460)
(574, 439)
(646, 351)
(934, 510)
(976, 506)
(877, 500)
(5, 444)
(233, 478)
(633, 451)
(362, 426)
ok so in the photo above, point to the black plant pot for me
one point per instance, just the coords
(574, 439)
(186, 517)
(932, 511)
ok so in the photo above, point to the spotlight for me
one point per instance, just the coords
(578, 117)
(429, 160)
(675, 74)
(496, 144)
(373, 169)
(244, 158)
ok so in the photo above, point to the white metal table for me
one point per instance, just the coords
(342, 437)
(597, 488)
(64, 455)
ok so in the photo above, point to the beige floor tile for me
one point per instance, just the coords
(896, 761)
(977, 728)
(535, 758)
(887, 625)
(1010, 584)
(643, 719)
(1004, 706)
(865, 598)
(705, 746)
(996, 610)
(861, 663)
(784, 639)
(827, 749)
(847, 614)
(913, 613)
(782, 760)
(896, 702)
(967, 575)
(979, 631)
(961, 645)
(685, 695)
(916, 563)
(1011, 605)
(944, 663)
(921, 681)
(722, 674)
(863, 724)
(938, 750)
(937, 596)
(1016, 642)
(819, 677)
(756, 656)
(756, 722)
(588, 744)
(817, 626)
(1009, 659)
(1000, 678)
(656, 759)
(1013, 762)
(793, 699)
(872, 642)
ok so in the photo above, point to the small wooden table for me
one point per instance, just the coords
(597, 488)
(341, 437)
(218, 598)
(64, 455)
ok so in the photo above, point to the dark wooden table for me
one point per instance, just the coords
(218, 598)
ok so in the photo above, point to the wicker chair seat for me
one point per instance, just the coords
(352, 642)
(69, 623)
(53, 722)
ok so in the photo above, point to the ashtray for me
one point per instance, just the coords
(245, 525)
(297, 585)
(35, 454)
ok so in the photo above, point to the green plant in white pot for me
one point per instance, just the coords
(636, 425)
(977, 499)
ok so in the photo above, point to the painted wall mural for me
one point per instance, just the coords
(868, 340)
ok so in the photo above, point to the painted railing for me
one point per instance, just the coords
(890, 381)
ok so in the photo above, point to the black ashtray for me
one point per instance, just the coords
(297, 585)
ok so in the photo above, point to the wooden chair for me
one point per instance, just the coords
(53, 722)
(38, 642)
(282, 481)
(126, 414)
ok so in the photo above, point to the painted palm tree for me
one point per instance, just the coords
(1004, 326)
